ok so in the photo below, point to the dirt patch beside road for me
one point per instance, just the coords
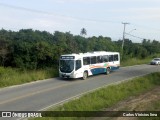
(148, 101)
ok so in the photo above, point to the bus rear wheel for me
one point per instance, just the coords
(108, 71)
(85, 75)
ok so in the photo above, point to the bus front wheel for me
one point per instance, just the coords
(85, 75)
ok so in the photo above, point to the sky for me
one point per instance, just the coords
(98, 17)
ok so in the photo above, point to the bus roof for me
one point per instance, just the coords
(94, 53)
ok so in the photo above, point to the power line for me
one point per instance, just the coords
(67, 16)
(142, 26)
(72, 17)
(134, 36)
(55, 14)
(23, 8)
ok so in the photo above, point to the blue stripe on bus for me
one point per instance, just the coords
(102, 70)
(98, 70)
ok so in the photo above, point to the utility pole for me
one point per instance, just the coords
(123, 36)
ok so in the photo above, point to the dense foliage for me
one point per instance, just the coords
(33, 49)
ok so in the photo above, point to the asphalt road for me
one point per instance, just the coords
(42, 94)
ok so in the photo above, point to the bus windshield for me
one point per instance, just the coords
(66, 66)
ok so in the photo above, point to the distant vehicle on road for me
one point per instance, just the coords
(83, 65)
(155, 61)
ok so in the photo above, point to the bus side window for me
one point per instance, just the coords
(105, 58)
(93, 60)
(110, 58)
(78, 64)
(116, 57)
(99, 59)
(86, 60)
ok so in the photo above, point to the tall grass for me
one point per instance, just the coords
(12, 76)
(108, 96)
(135, 61)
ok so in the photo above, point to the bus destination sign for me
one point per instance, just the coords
(67, 57)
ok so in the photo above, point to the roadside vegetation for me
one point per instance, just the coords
(136, 61)
(14, 76)
(109, 96)
(28, 55)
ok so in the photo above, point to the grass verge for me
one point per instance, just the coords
(108, 96)
(10, 76)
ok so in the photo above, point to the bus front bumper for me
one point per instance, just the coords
(66, 75)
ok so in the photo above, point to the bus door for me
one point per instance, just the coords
(78, 68)
(114, 61)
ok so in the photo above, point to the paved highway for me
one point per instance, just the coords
(42, 94)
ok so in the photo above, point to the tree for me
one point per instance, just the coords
(83, 32)
(34, 49)
(3, 51)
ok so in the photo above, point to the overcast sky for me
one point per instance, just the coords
(98, 17)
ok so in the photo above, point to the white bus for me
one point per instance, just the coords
(83, 65)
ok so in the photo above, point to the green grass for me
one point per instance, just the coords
(108, 96)
(12, 76)
(135, 61)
